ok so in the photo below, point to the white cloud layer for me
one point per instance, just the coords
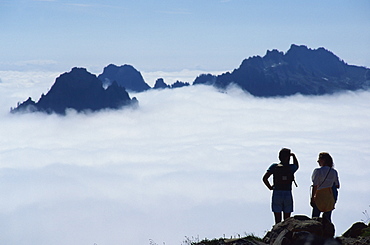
(188, 162)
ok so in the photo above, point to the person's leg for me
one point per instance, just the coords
(276, 205)
(315, 211)
(287, 204)
(327, 216)
(286, 215)
(277, 216)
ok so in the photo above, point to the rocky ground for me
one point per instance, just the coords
(302, 230)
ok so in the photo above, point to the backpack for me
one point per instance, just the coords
(283, 175)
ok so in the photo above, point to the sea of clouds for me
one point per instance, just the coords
(187, 163)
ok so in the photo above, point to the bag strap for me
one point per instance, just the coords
(295, 183)
(320, 184)
(325, 178)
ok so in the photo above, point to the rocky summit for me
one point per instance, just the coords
(78, 90)
(126, 76)
(299, 230)
(300, 70)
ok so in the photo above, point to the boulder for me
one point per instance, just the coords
(355, 230)
(301, 230)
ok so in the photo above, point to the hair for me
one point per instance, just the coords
(284, 153)
(328, 160)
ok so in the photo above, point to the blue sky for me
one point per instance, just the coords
(167, 35)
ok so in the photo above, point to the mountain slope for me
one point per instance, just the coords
(126, 76)
(299, 70)
(78, 90)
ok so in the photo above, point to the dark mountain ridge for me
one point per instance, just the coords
(78, 90)
(126, 76)
(299, 70)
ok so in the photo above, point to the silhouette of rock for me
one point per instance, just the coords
(79, 90)
(179, 84)
(357, 234)
(160, 84)
(300, 70)
(300, 230)
(126, 76)
(355, 230)
(29, 105)
(207, 79)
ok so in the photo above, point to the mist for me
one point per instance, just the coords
(187, 163)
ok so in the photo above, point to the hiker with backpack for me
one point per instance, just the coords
(283, 176)
(325, 187)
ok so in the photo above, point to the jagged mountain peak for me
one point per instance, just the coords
(79, 90)
(126, 76)
(299, 70)
(77, 78)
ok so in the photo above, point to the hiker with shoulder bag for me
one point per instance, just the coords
(325, 187)
(283, 177)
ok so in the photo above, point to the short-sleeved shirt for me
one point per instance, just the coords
(271, 170)
(319, 174)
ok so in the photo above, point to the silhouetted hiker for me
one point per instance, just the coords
(283, 176)
(325, 187)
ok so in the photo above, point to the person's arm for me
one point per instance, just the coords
(313, 195)
(295, 160)
(337, 181)
(266, 181)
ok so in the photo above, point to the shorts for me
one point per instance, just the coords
(282, 201)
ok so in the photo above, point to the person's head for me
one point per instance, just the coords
(325, 159)
(284, 155)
